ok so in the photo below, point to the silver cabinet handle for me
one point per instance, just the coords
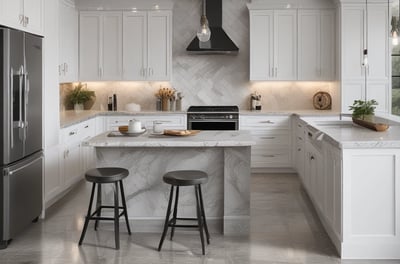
(269, 156)
(267, 122)
(268, 137)
(312, 158)
(21, 19)
(26, 20)
(72, 133)
(65, 68)
(86, 126)
(276, 71)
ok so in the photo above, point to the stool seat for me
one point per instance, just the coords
(106, 175)
(185, 177)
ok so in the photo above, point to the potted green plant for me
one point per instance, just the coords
(79, 95)
(363, 110)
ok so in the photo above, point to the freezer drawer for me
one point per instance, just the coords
(21, 195)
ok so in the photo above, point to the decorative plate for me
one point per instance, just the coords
(322, 101)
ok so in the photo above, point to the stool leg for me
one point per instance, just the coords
(199, 218)
(98, 205)
(124, 205)
(116, 216)
(175, 211)
(204, 215)
(87, 215)
(171, 194)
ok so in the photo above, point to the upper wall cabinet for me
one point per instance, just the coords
(100, 46)
(26, 15)
(273, 45)
(68, 44)
(316, 45)
(147, 52)
(359, 31)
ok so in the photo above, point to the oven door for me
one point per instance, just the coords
(213, 124)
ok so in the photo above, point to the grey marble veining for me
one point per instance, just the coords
(226, 194)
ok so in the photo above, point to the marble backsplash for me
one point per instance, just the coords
(212, 79)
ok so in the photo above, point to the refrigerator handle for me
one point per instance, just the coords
(11, 98)
(21, 76)
(26, 90)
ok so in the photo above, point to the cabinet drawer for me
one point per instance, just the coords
(270, 158)
(271, 138)
(264, 122)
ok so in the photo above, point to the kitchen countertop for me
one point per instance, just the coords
(69, 118)
(347, 135)
(202, 139)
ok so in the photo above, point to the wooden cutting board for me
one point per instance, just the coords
(175, 132)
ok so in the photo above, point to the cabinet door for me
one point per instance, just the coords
(134, 46)
(351, 91)
(111, 48)
(68, 34)
(352, 42)
(309, 48)
(261, 45)
(72, 163)
(159, 45)
(328, 50)
(11, 13)
(379, 90)
(33, 11)
(285, 45)
(378, 32)
(89, 46)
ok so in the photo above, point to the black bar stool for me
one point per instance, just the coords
(185, 178)
(101, 176)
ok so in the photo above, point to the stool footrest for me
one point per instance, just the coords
(186, 226)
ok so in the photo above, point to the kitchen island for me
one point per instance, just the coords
(223, 155)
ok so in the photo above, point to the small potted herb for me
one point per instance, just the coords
(363, 110)
(79, 95)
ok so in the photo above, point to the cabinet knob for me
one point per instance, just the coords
(72, 133)
(299, 149)
(312, 158)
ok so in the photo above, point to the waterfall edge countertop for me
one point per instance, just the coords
(202, 139)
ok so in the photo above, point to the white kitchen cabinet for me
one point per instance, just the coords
(147, 50)
(333, 187)
(26, 15)
(68, 44)
(100, 46)
(273, 45)
(299, 152)
(316, 45)
(373, 80)
(173, 121)
(273, 140)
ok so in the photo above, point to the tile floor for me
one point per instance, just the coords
(284, 229)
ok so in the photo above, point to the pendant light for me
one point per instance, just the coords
(204, 32)
(395, 28)
(365, 51)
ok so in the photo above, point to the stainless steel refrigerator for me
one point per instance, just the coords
(21, 133)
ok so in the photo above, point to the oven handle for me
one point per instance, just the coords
(214, 120)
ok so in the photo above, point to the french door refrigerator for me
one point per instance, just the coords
(21, 155)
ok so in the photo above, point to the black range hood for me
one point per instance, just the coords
(219, 43)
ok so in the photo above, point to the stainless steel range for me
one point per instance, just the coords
(213, 117)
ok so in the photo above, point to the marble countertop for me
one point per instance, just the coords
(202, 139)
(70, 117)
(347, 135)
